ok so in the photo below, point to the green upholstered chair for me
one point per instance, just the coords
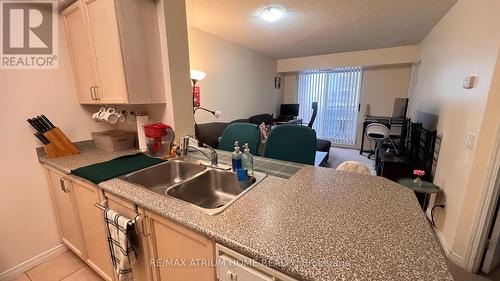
(293, 143)
(243, 133)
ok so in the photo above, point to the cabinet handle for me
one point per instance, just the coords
(63, 186)
(96, 92)
(91, 89)
(145, 225)
(231, 275)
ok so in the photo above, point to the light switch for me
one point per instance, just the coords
(469, 82)
(469, 140)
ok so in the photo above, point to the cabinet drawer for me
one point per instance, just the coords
(229, 269)
(233, 266)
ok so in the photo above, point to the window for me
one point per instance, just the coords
(337, 92)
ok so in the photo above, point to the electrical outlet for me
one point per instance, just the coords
(130, 113)
(469, 140)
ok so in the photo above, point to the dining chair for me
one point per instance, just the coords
(293, 143)
(243, 133)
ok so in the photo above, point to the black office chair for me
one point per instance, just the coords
(321, 144)
(315, 112)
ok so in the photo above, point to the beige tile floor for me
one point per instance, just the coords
(64, 267)
(68, 267)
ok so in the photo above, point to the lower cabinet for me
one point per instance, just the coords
(179, 254)
(66, 212)
(93, 228)
(81, 224)
(139, 238)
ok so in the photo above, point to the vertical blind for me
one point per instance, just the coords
(337, 92)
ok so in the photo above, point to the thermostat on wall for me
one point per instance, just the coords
(469, 82)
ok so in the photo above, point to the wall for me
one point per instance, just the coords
(482, 162)
(465, 42)
(380, 86)
(28, 222)
(375, 57)
(174, 40)
(239, 81)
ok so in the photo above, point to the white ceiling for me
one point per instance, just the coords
(313, 27)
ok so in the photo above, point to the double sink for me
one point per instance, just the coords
(209, 189)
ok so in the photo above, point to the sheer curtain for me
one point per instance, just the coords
(337, 92)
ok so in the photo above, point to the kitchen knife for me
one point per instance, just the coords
(42, 124)
(41, 138)
(35, 125)
(48, 121)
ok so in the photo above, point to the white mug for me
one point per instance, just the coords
(110, 116)
(121, 117)
(98, 115)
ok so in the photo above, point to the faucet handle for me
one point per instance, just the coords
(213, 154)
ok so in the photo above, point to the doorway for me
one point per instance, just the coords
(491, 258)
(483, 254)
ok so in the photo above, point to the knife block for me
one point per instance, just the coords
(59, 144)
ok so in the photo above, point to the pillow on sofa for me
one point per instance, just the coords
(264, 132)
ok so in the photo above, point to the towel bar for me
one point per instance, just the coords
(102, 207)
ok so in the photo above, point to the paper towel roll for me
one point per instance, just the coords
(141, 121)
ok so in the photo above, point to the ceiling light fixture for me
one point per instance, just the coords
(272, 14)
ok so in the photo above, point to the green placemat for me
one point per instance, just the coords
(104, 171)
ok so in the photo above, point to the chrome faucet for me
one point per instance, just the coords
(184, 149)
(213, 155)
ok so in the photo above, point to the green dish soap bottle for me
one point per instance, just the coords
(247, 160)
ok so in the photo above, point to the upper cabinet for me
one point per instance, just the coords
(115, 51)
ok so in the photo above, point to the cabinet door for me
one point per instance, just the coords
(66, 213)
(94, 232)
(105, 40)
(172, 243)
(80, 54)
(141, 269)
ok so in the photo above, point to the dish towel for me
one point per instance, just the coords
(123, 255)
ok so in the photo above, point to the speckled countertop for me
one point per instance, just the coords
(321, 224)
(88, 155)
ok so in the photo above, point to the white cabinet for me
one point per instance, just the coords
(115, 51)
(232, 266)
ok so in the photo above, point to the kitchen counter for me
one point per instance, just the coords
(89, 155)
(320, 224)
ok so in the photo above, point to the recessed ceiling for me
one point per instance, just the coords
(313, 27)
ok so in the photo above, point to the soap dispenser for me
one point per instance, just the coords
(236, 157)
(247, 160)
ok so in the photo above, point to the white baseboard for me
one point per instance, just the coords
(17, 270)
(458, 260)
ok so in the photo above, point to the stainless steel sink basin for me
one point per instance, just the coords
(214, 190)
(159, 177)
(208, 189)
